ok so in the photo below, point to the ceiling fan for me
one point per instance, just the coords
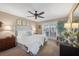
(36, 14)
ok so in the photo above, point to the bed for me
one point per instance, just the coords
(32, 42)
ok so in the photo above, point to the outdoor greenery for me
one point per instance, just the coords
(69, 38)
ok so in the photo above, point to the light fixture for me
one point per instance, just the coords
(69, 25)
(7, 28)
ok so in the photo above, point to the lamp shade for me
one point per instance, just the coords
(7, 28)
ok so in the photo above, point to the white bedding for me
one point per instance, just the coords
(33, 42)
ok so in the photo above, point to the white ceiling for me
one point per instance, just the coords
(52, 10)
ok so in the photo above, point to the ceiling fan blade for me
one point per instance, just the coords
(41, 13)
(41, 16)
(31, 12)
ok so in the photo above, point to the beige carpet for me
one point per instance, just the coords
(50, 49)
(16, 51)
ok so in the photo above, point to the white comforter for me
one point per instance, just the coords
(33, 42)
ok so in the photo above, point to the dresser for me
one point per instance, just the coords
(7, 43)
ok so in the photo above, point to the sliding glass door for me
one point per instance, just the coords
(50, 30)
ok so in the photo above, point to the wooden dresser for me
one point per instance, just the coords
(7, 43)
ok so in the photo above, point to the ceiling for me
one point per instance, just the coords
(76, 13)
(52, 10)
